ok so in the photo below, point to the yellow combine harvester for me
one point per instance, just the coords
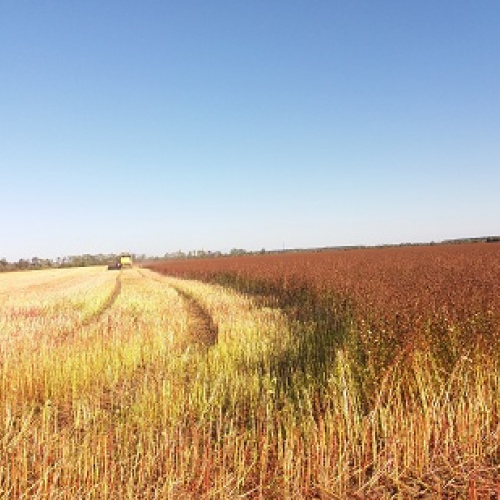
(126, 260)
(122, 262)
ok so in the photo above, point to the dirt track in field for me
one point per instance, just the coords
(202, 329)
(107, 305)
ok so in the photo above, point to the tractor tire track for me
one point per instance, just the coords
(202, 329)
(95, 316)
(106, 305)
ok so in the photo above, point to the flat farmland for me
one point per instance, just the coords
(341, 374)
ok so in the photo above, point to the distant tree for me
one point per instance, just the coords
(238, 251)
(23, 264)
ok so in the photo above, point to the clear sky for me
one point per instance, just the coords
(153, 126)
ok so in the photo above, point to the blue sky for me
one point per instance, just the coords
(155, 126)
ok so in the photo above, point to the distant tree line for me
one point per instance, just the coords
(100, 259)
(206, 254)
(85, 260)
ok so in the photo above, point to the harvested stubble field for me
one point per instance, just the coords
(343, 374)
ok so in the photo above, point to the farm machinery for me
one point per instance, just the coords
(122, 262)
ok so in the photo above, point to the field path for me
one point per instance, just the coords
(106, 305)
(202, 328)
